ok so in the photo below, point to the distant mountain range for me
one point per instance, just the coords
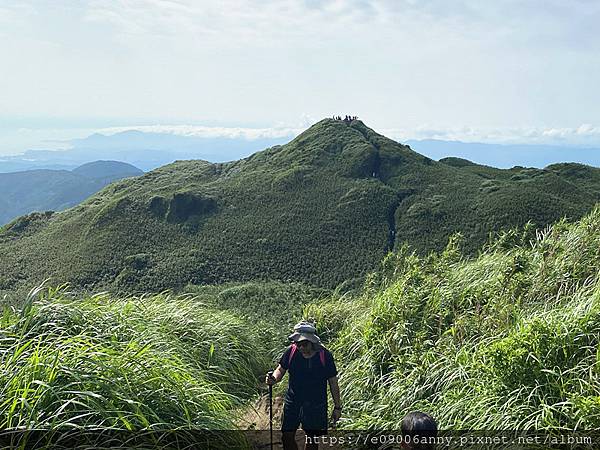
(141, 149)
(149, 151)
(506, 156)
(322, 209)
(44, 189)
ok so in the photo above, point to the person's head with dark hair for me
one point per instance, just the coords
(419, 431)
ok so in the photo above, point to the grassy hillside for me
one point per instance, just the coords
(127, 363)
(320, 210)
(508, 340)
(158, 362)
(43, 190)
(272, 308)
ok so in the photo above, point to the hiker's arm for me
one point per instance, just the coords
(335, 393)
(277, 375)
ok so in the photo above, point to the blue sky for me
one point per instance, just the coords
(489, 71)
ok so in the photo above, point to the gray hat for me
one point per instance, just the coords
(305, 331)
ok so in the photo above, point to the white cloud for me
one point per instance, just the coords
(241, 23)
(583, 135)
(227, 21)
(209, 132)
(248, 62)
(586, 134)
(238, 21)
(15, 14)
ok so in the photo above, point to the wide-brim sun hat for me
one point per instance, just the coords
(298, 337)
(304, 331)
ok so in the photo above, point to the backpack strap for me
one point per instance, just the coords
(292, 352)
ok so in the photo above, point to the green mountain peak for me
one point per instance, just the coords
(321, 209)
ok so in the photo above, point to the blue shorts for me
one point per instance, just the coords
(313, 417)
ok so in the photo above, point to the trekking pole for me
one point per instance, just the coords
(271, 408)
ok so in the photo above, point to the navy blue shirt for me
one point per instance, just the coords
(308, 376)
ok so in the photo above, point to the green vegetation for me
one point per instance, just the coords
(155, 362)
(507, 340)
(499, 333)
(320, 210)
(272, 309)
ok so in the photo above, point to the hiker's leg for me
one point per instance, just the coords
(289, 440)
(314, 424)
(312, 440)
(289, 424)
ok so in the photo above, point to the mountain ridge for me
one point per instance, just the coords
(321, 209)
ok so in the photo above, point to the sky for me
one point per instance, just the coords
(479, 71)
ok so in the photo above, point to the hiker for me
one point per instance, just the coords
(421, 426)
(311, 368)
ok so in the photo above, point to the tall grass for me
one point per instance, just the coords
(508, 340)
(270, 308)
(154, 362)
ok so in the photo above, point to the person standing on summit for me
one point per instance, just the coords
(312, 368)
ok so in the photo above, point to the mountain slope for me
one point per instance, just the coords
(507, 340)
(41, 190)
(321, 209)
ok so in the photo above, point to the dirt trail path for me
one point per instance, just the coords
(256, 417)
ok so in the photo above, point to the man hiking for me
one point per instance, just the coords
(311, 368)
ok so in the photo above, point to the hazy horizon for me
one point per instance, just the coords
(491, 72)
(27, 139)
(149, 147)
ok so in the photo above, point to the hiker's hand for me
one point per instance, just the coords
(335, 415)
(270, 379)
